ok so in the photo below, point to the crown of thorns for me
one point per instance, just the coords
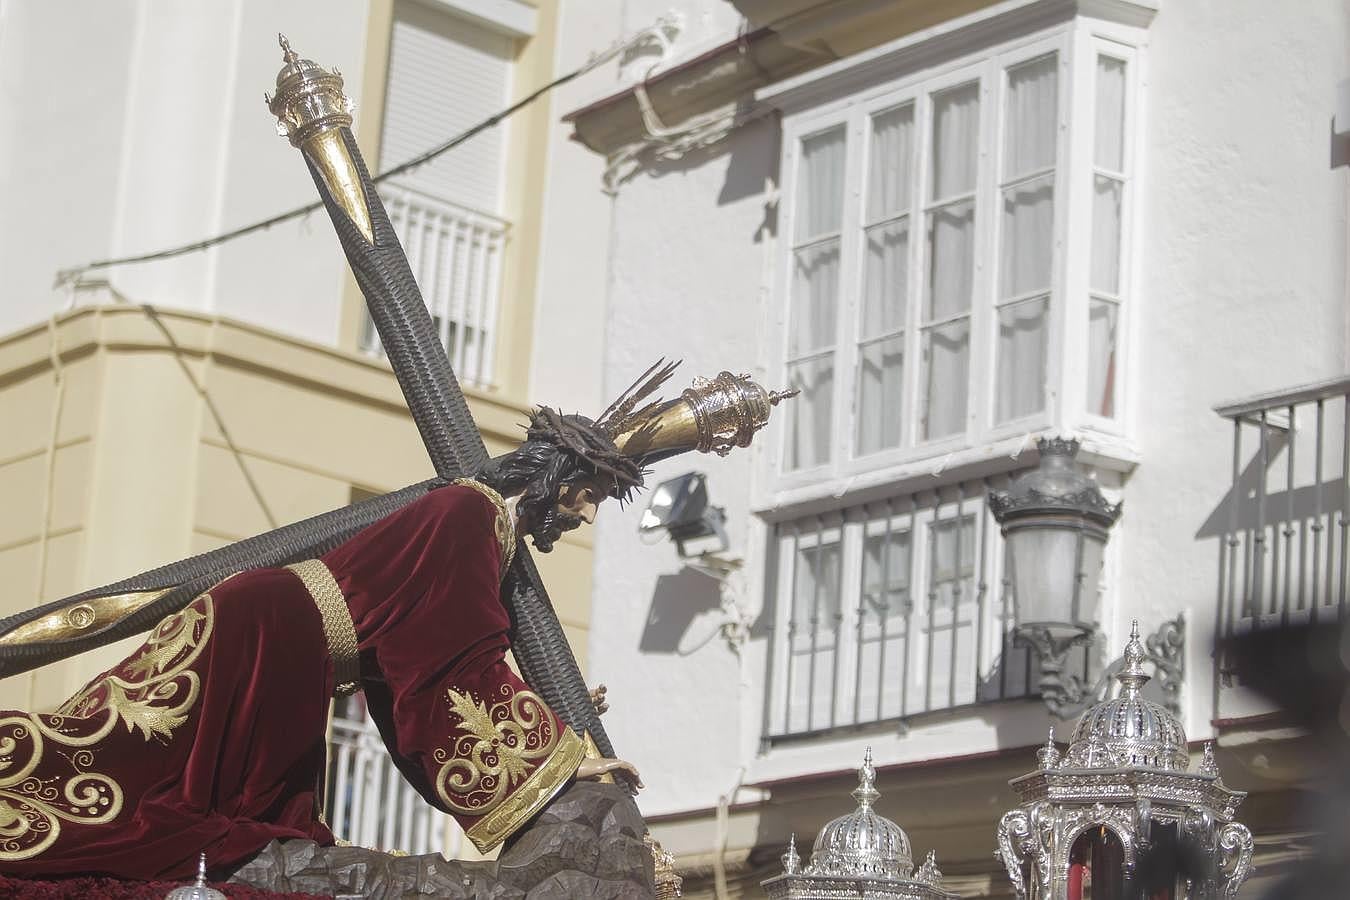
(585, 440)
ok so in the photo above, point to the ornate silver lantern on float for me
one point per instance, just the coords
(859, 855)
(1120, 815)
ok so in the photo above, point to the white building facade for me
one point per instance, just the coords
(955, 228)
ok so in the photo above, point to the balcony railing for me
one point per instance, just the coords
(891, 609)
(369, 804)
(456, 256)
(1285, 554)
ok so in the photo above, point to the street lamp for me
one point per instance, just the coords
(1056, 523)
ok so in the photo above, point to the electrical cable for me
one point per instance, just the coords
(656, 32)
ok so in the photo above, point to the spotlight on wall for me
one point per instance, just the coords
(680, 508)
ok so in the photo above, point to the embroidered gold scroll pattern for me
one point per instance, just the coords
(46, 761)
(154, 689)
(497, 750)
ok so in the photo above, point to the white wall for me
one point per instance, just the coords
(573, 278)
(128, 127)
(1241, 282)
(1241, 272)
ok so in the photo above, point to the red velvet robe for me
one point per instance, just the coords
(211, 736)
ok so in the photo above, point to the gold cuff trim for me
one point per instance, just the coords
(534, 792)
(338, 628)
(505, 526)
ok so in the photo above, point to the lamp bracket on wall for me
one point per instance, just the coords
(1067, 695)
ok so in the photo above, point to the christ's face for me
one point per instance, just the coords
(577, 501)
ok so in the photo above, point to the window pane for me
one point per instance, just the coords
(815, 624)
(890, 162)
(820, 184)
(1102, 318)
(1029, 136)
(880, 378)
(885, 278)
(1110, 126)
(952, 624)
(956, 132)
(808, 421)
(886, 597)
(1021, 359)
(951, 259)
(1028, 237)
(815, 291)
(1106, 198)
(815, 592)
(946, 360)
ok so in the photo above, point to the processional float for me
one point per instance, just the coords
(315, 115)
(1119, 815)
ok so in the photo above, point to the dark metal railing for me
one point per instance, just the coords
(1284, 554)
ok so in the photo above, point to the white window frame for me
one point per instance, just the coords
(1077, 41)
(1101, 41)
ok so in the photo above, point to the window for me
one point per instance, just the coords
(1106, 281)
(891, 609)
(953, 275)
(445, 75)
(931, 286)
(939, 176)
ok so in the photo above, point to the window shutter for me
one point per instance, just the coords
(445, 75)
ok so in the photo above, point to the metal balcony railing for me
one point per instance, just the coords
(1284, 555)
(456, 256)
(890, 609)
(368, 803)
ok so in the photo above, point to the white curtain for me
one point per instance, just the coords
(956, 126)
(1020, 389)
(815, 297)
(891, 162)
(820, 184)
(950, 237)
(1102, 317)
(1110, 118)
(808, 439)
(878, 409)
(1107, 221)
(1106, 200)
(881, 367)
(1026, 236)
(1031, 119)
(946, 360)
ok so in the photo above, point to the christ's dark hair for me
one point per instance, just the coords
(558, 451)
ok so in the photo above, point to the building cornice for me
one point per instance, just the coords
(788, 41)
(951, 38)
(128, 329)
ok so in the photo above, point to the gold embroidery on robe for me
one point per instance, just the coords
(503, 740)
(151, 691)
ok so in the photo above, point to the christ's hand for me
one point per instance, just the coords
(591, 769)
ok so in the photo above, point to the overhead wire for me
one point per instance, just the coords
(654, 32)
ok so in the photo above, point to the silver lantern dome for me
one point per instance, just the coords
(862, 854)
(1129, 730)
(862, 842)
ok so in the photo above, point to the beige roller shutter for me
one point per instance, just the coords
(446, 74)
